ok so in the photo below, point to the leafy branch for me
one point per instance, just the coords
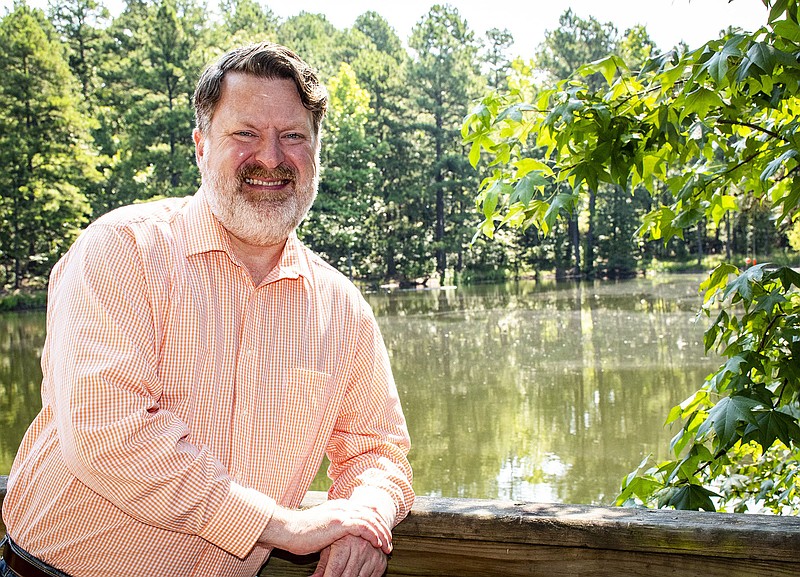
(739, 443)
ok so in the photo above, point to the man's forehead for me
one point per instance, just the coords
(250, 95)
(259, 86)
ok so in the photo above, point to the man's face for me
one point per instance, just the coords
(259, 159)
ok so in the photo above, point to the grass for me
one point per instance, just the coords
(23, 300)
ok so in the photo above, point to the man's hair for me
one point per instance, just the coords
(265, 60)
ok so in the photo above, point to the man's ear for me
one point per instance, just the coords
(199, 141)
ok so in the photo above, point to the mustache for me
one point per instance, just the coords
(281, 172)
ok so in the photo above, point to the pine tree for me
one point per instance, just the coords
(45, 148)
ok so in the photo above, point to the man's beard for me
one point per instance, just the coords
(264, 219)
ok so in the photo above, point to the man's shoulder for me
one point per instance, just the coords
(144, 213)
(329, 277)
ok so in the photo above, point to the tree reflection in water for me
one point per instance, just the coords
(524, 391)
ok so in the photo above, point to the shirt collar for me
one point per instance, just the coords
(206, 234)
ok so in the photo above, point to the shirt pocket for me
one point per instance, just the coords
(304, 402)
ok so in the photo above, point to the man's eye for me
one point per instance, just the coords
(295, 136)
(245, 133)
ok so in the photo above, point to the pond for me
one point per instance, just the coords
(534, 391)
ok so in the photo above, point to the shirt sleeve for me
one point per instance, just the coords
(102, 371)
(370, 442)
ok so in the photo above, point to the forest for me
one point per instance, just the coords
(96, 113)
(446, 158)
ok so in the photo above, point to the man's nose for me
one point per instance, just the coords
(270, 153)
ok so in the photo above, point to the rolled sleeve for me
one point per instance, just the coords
(370, 443)
(239, 521)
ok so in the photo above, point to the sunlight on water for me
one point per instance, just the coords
(537, 392)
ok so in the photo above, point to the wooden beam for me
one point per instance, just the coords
(466, 538)
(477, 538)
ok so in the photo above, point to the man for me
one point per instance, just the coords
(200, 361)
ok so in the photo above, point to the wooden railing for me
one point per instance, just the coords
(466, 538)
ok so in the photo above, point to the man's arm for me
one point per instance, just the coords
(102, 372)
(311, 530)
(370, 442)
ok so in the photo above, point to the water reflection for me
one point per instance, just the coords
(525, 391)
(21, 339)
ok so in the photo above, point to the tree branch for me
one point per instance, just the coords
(767, 131)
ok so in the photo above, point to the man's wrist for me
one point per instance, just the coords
(275, 531)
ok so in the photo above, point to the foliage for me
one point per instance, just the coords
(444, 75)
(334, 223)
(706, 132)
(396, 181)
(739, 441)
(18, 300)
(45, 148)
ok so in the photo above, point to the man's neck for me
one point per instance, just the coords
(258, 260)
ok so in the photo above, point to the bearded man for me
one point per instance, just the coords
(200, 361)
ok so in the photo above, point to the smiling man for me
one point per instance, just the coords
(199, 363)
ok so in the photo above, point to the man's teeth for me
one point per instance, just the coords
(257, 182)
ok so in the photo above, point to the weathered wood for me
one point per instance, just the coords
(477, 538)
(466, 538)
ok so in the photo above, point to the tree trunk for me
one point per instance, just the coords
(575, 241)
(441, 254)
(700, 231)
(589, 252)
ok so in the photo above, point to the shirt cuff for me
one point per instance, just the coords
(239, 521)
(378, 500)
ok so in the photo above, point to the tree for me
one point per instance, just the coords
(335, 226)
(711, 128)
(495, 57)
(575, 42)
(45, 148)
(158, 52)
(248, 19)
(445, 76)
(395, 225)
(80, 23)
(313, 36)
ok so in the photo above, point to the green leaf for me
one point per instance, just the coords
(699, 102)
(772, 425)
(789, 201)
(561, 202)
(788, 277)
(718, 65)
(766, 57)
(777, 10)
(743, 284)
(688, 497)
(727, 416)
(788, 30)
(777, 163)
(515, 112)
(492, 198)
(731, 368)
(475, 153)
(642, 487)
(526, 165)
(526, 188)
(687, 218)
(717, 280)
(720, 205)
(607, 66)
(769, 301)
(585, 172)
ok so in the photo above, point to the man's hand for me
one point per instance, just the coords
(351, 557)
(311, 530)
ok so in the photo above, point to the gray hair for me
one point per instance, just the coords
(265, 60)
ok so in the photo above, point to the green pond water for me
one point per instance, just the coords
(527, 391)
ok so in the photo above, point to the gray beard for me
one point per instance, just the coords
(267, 221)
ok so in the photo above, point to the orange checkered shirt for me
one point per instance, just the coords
(181, 402)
